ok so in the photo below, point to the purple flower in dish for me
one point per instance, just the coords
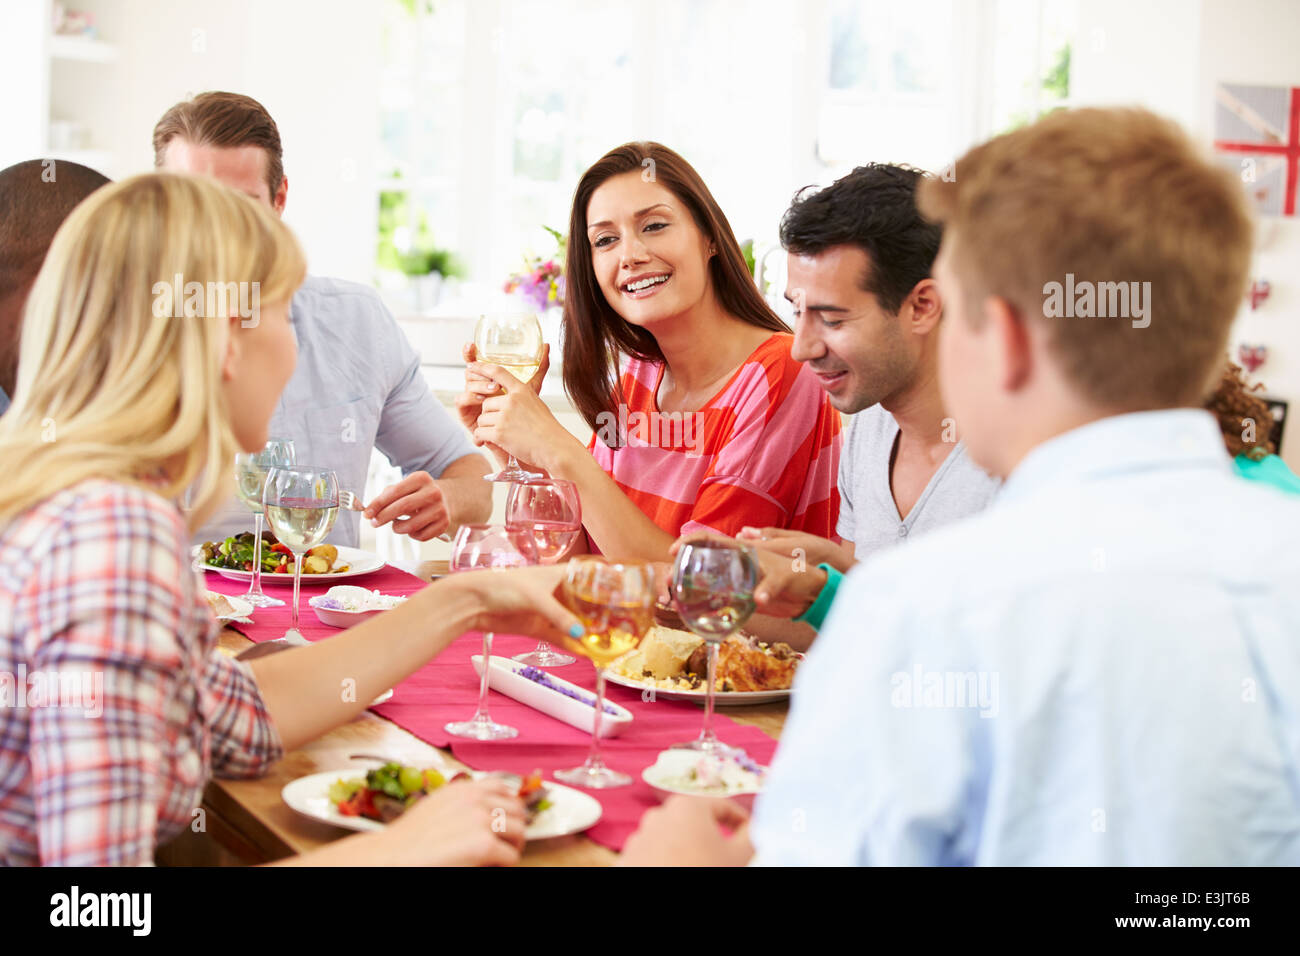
(538, 676)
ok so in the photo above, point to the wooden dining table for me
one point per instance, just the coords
(246, 822)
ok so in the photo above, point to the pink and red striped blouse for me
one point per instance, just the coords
(763, 452)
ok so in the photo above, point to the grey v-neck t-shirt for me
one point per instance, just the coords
(868, 514)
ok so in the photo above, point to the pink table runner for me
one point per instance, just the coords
(446, 689)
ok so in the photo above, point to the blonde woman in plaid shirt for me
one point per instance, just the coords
(117, 410)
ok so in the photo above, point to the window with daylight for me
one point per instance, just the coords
(492, 108)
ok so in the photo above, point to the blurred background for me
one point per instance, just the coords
(429, 144)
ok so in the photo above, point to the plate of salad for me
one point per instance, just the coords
(369, 799)
(233, 558)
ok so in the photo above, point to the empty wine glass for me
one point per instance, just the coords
(515, 343)
(301, 504)
(486, 547)
(713, 590)
(250, 478)
(547, 510)
(616, 605)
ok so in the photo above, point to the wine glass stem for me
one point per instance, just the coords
(297, 580)
(707, 735)
(482, 712)
(255, 586)
(513, 465)
(594, 760)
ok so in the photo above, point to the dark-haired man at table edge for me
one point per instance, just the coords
(867, 317)
(357, 384)
(35, 197)
(1102, 667)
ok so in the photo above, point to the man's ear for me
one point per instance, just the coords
(927, 307)
(1010, 344)
(281, 196)
(233, 352)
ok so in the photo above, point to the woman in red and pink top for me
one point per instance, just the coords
(701, 418)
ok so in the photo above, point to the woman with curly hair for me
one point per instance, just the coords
(1245, 420)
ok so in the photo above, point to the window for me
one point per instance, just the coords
(493, 108)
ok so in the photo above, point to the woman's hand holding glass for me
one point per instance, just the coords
(512, 416)
(615, 603)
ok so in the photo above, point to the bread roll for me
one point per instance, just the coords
(665, 651)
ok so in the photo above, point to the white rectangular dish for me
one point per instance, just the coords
(505, 676)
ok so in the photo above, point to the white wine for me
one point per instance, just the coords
(299, 528)
(249, 480)
(521, 367)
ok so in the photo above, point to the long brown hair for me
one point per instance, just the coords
(595, 336)
(1240, 413)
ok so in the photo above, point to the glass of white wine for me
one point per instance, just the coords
(616, 605)
(301, 504)
(713, 590)
(515, 343)
(250, 477)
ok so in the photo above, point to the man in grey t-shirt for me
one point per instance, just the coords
(867, 320)
(869, 514)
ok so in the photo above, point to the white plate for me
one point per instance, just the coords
(504, 677)
(571, 811)
(733, 698)
(665, 773)
(359, 562)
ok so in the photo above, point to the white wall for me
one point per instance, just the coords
(1168, 55)
(325, 100)
(326, 106)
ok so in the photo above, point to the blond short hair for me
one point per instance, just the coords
(107, 388)
(1107, 196)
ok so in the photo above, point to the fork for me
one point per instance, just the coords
(352, 503)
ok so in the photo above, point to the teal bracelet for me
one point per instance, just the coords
(816, 614)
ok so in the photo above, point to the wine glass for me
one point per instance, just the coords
(515, 343)
(301, 503)
(250, 477)
(713, 590)
(547, 510)
(616, 605)
(493, 547)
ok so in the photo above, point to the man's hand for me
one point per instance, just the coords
(799, 544)
(687, 831)
(787, 587)
(416, 505)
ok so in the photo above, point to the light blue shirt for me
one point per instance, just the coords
(357, 385)
(1102, 668)
(4, 401)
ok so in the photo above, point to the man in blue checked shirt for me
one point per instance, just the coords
(1103, 668)
(357, 384)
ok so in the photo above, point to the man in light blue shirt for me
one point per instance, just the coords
(357, 384)
(1103, 667)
